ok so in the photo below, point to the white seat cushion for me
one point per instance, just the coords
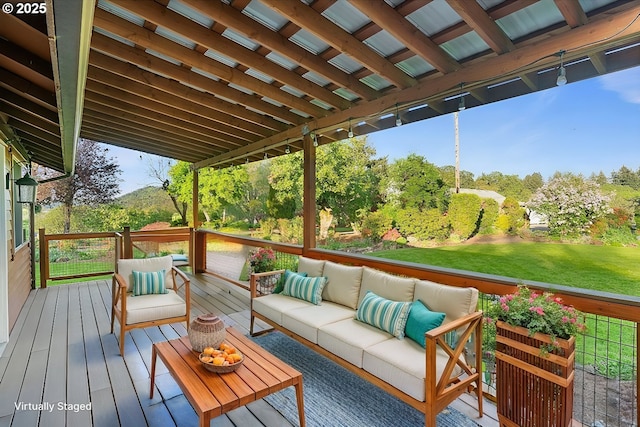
(274, 305)
(145, 308)
(305, 321)
(348, 339)
(402, 363)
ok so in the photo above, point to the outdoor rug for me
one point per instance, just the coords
(335, 397)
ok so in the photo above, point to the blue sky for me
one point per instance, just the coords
(583, 127)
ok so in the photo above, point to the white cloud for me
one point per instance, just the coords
(625, 83)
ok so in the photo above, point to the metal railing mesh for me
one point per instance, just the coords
(81, 257)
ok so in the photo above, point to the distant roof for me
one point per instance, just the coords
(483, 194)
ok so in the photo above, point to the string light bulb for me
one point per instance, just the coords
(350, 133)
(265, 155)
(562, 72)
(287, 150)
(398, 119)
(461, 105)
(315, 139)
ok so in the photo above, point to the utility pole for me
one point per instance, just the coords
(455, 120)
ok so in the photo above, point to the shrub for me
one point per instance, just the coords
(376, 224)
(267, 226)
(488, 216)
(290, 230)
(512, 217)
(427, 225)
(464, 213)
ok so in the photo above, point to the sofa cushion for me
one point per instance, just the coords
(390, 316)
(343, 284)
(272, 306)
(305, 321)
(386, 285)
(148, 282)
(305, 288)
(420, 321)
(402, 364)
(145, 308)
(313, 267)
(348, 339)
(283, 278)
(453, 301)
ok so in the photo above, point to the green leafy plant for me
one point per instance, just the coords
(262, 260)
(538, 312)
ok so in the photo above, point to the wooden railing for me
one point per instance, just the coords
(84, 255)
(601, 308)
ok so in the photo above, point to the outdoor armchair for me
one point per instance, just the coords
(145, 293)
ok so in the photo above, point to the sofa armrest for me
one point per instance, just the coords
(471, 326)
(254, 288)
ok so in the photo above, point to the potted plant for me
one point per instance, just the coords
(535, 345)
(263, 260)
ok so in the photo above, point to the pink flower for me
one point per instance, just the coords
(538, 310)
(565, 319)
(505, 307)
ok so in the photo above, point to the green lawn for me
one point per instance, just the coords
(609, 344)
(602, 268)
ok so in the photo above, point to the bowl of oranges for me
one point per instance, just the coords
(222, 359)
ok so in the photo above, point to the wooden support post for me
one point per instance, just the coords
(199, 263)
(309, 202)
(194, 195)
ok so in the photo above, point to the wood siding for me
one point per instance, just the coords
(19, 281)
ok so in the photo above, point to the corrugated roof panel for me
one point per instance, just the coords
(376, 82)
(281, 60)
(300, 113)
(260, 75)
(265, 15)
(415, 66)
(272, 101)
(205, 73)
(345, 63)
(320, 104)
(113, 36)
(220, 58)
(488, 4)
(525, 21)
(122, 13)
(465, 46)
(190, 13)
(308, 41)
(316, 78)
(434, 17)
(240, 88)
(240, 39)
(589, 5)
(346, 94)
(162, 56)
(346, 16)
(384, 43)
(175, 37)
(293, 91)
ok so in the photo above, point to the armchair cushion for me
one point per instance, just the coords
(126, 267)
(146, 308)
(150, 282)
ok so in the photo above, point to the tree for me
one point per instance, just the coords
(416, 183)
(464, 214)
(448, 174)
(160, 172)
(625, 176)
(95, 181)
(570, 203)
(533, 182)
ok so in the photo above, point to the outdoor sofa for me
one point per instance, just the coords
(428, 368)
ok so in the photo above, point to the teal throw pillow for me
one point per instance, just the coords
(149, 282)
(420, 321)
(283, 278)
(305, 288)
(390, 316)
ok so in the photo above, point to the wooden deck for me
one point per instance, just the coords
(60, 352)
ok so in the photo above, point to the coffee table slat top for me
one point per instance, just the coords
(213, 394)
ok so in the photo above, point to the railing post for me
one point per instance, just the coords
(199, 260)
(117, 251)
(44, 258)
(128, 244)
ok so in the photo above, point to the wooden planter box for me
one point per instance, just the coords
(533, 390)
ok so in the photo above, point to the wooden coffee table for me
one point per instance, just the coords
(213, 394)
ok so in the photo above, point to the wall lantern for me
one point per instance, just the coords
(27, 189)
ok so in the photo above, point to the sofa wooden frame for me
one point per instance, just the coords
(437, 395)
(119, 293)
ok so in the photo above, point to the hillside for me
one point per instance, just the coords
(145, 198)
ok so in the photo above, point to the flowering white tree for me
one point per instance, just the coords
(570, 203)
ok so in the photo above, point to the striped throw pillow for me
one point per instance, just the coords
(305, 288)
(390, 316)
(149, 282)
